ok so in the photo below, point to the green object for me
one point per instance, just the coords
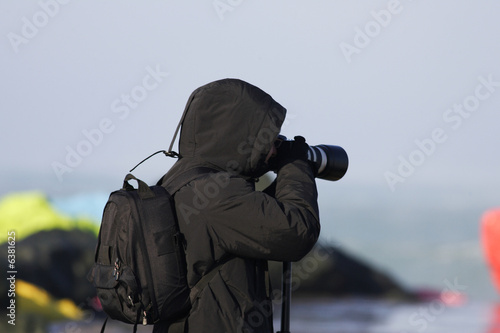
(27, 213)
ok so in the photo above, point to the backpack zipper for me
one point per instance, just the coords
(116, 270)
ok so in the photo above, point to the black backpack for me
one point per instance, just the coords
(140, 269)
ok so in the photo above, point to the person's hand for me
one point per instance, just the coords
(289, 151)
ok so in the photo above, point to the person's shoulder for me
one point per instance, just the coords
(222, 182)
(215, 191)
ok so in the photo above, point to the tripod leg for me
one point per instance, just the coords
(286, 295)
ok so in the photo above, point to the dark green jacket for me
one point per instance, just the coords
(230, 126)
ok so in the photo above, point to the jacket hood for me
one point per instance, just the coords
(231, 125)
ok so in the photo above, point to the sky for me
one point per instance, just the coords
(409, 88)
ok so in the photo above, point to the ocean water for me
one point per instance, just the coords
(377, 316)
(421, 238)
(355, 315)
(429, 243)
(420, 241)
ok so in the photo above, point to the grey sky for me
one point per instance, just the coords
(374, 93)
(411, 90)
(90, 88)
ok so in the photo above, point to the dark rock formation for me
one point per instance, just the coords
(330, 272)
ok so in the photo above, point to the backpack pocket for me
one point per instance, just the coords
(117, 291)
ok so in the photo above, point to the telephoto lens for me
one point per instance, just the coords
(331, 162)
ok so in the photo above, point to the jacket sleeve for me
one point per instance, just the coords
(283, 227)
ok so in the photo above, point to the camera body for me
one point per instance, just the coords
(331, 162)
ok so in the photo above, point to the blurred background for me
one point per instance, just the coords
(409, 88)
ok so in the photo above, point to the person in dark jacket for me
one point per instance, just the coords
(231, 126)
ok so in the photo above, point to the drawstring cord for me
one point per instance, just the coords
(170, 152)
(167, 153)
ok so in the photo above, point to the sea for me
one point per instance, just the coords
(359, 315)
(354, 315)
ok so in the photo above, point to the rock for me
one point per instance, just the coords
(330, 272)
(57, 261)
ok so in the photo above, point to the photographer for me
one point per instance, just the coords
(232, 127)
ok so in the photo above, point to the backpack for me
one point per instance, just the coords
(140, 270)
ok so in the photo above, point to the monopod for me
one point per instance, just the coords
(286, 295)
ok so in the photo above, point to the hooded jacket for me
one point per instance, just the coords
(230, 126)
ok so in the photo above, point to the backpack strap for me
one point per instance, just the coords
(143, 189)
(179, 326)
(205, 279)
(173, 186)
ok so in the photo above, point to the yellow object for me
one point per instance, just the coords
(29, 212)
(32, 299)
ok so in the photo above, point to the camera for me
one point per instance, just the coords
(331, 162)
